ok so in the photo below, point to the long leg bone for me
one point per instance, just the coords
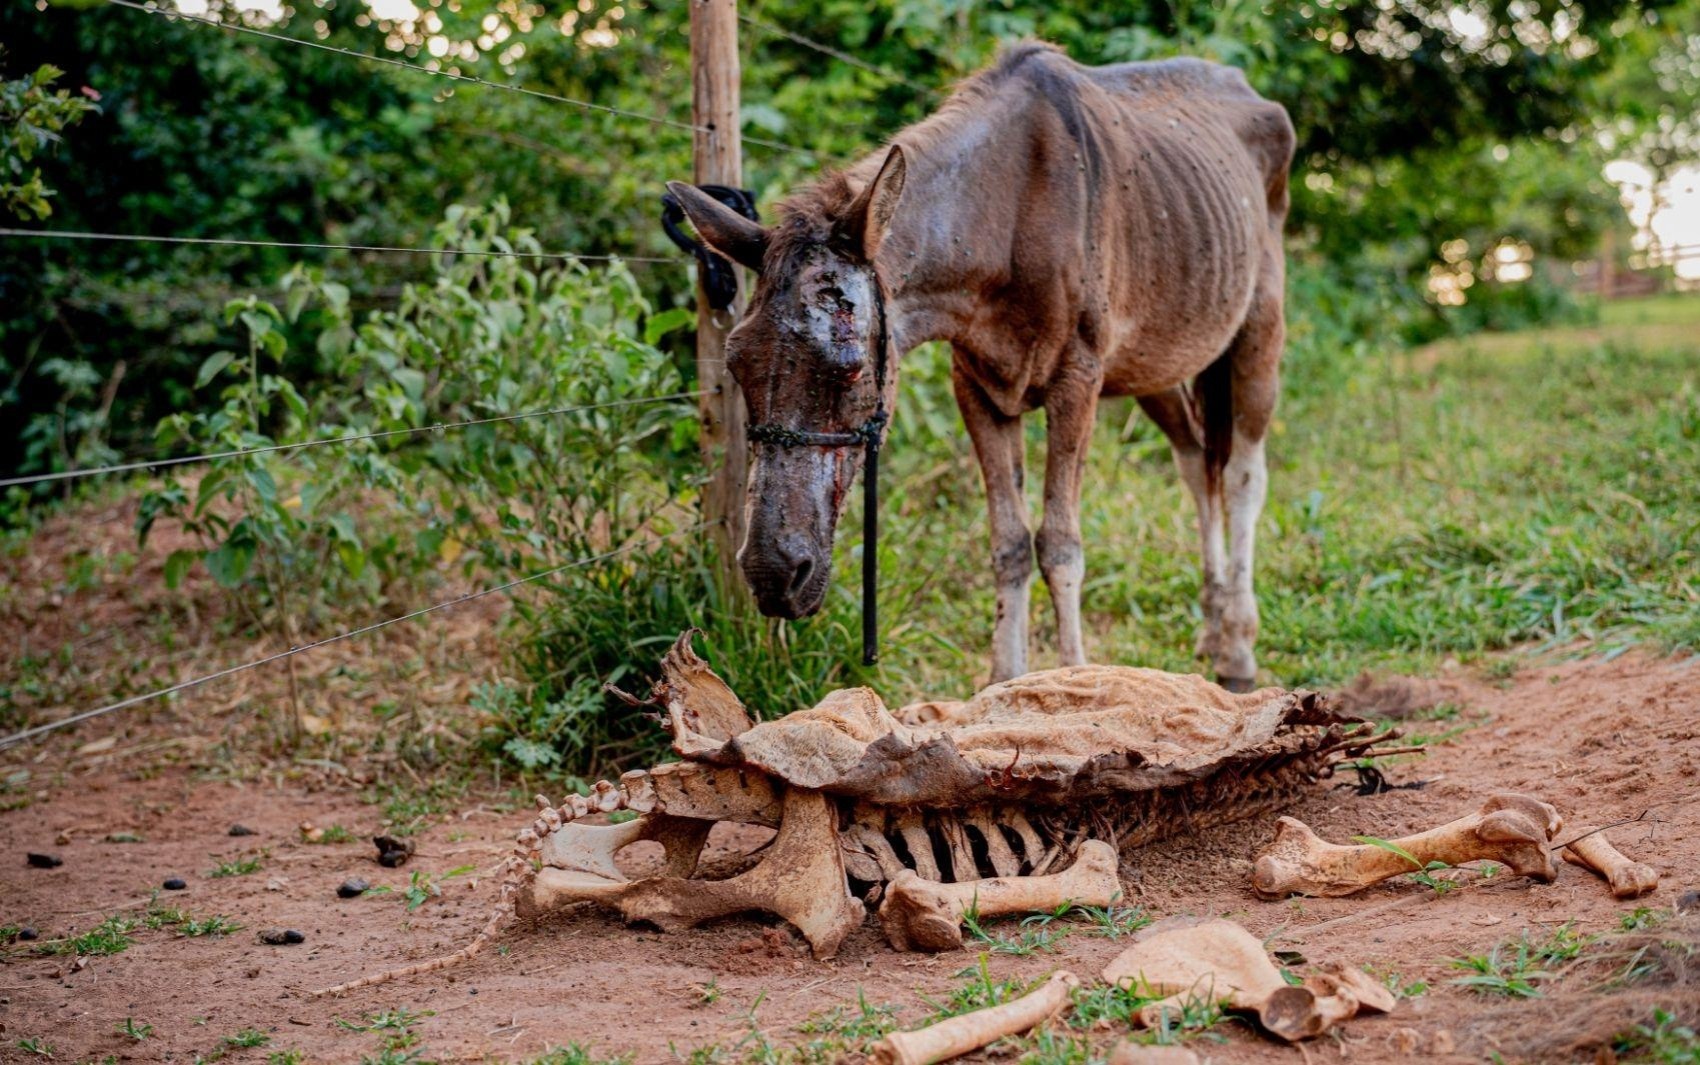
(970, 1031)
(1513, 830)
(922, 915)
(800, 877)
(1628, 879)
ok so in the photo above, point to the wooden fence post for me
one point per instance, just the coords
(718, 159)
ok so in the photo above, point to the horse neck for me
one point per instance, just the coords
(943, 240)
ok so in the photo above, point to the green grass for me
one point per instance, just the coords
(246, 1038)
(1662, 1041)
(1444, 503)
(111, 936)
(1517, 969)
(238, 867)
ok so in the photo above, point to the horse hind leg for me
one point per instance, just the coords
(1176, 412)
(1253, 381)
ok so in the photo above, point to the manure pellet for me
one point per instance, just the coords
(352, 888)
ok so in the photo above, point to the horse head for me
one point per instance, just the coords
(809, 356)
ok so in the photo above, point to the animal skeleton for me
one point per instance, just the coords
(1009, 789)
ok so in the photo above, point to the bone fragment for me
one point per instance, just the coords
(591, 848)
(920, 914)
(1003, 859)
(962, 866)
(919, 843)
(1187, 959)
(1628, 879)
(970, 1031)
(1032, 844)
(866, 830)
(1514, 830)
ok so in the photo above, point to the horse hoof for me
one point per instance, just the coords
(1237, 685)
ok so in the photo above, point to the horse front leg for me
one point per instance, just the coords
(1001, 450)
(1069, 412)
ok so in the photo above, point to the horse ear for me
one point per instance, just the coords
(725, 230)
(870, 213)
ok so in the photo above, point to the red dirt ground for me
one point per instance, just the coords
(1603, 740)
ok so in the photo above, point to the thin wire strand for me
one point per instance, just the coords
(127, 467)
(842, 57)
(472, 79)
(41, 730)
(148, 238)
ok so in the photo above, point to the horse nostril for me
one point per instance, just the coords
(800, 577)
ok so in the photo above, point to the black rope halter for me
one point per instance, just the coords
(867, 436)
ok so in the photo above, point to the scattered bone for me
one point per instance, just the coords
(1187, 958)
(921, 915)
(1514, 830)
(970, 1031)
(1628, 879)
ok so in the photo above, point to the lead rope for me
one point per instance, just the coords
(871, 494)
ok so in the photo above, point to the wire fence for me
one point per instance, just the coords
(235, 242)
(843, 57)
(435, 427)
(28, 734)
(471, 79)
(135, 465)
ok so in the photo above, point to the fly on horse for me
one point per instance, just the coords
(1072, 232)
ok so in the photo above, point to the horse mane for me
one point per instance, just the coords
(808, 216)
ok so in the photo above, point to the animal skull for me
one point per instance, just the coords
(1513, 830)
(1017, 799)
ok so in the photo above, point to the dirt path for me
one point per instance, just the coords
(1603, 740)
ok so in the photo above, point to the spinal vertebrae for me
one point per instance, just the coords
(998, 797)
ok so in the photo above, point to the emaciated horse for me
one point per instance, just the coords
(1073, 232)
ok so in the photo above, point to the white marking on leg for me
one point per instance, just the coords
(1009, 637)
(1065, 580)
(1246, 485)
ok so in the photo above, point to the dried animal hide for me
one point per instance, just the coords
(1008, 784)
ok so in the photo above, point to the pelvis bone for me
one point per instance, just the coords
(1514, 830)
(1018, 798)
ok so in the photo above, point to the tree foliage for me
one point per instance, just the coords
(1422, 122)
